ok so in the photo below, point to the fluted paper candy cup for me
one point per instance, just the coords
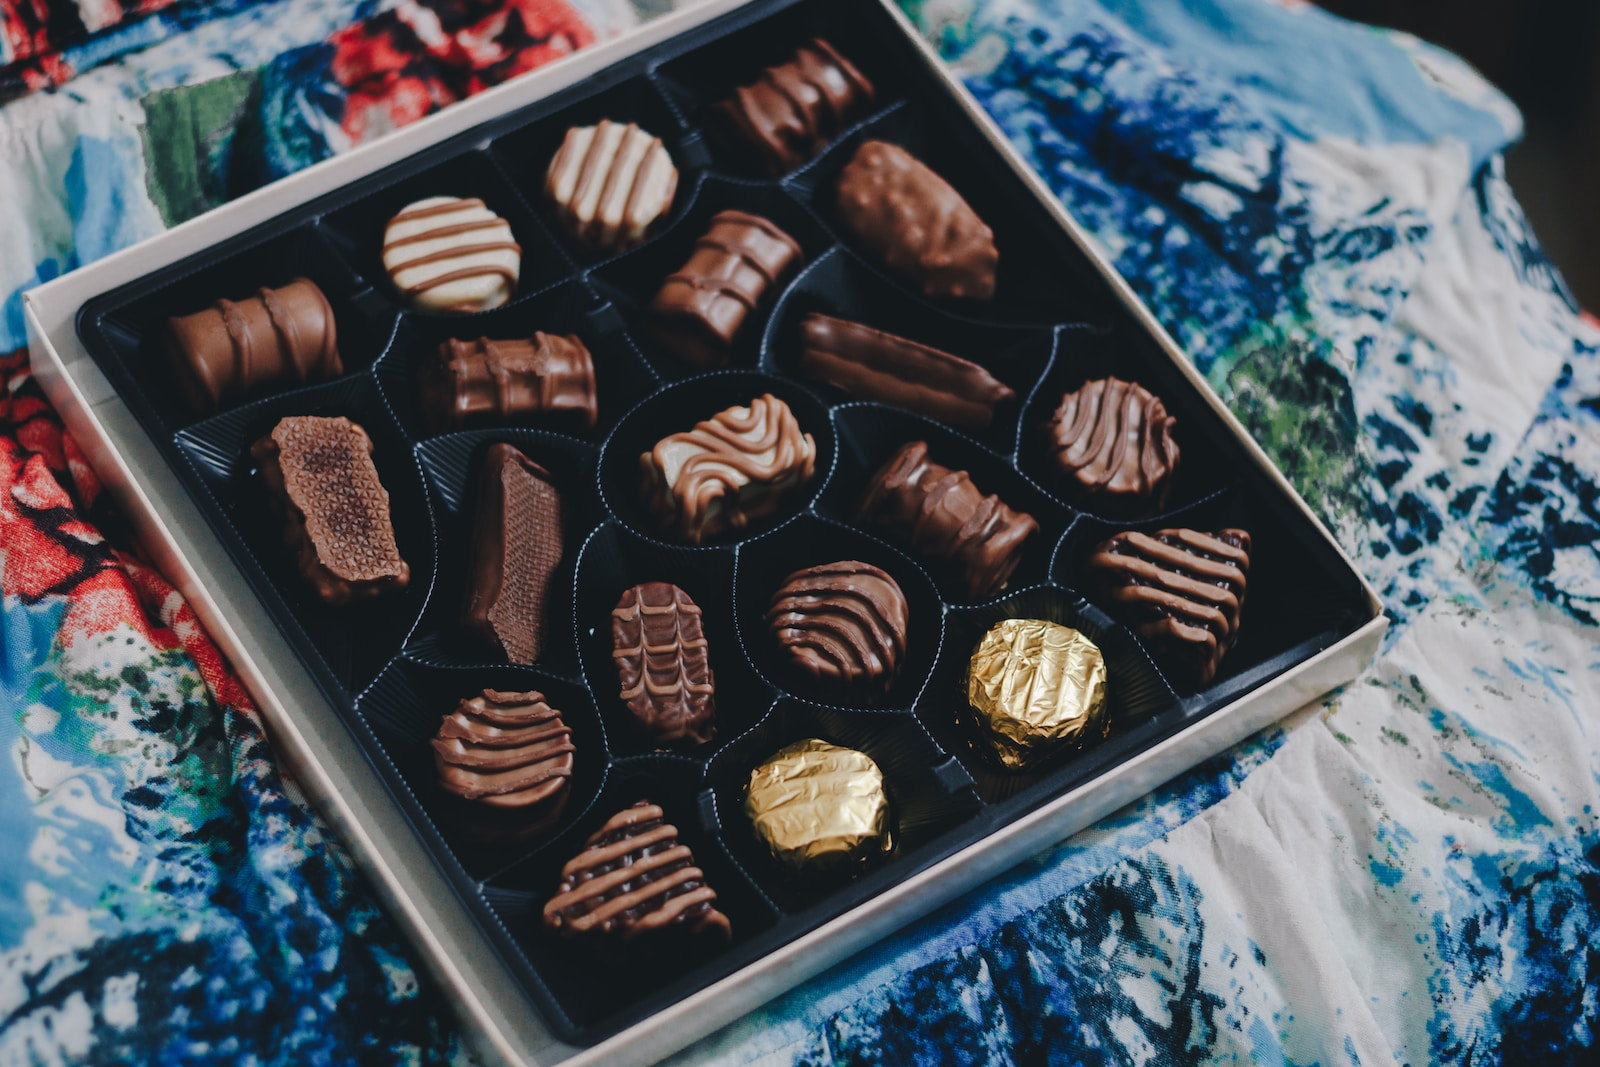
(1038, 687)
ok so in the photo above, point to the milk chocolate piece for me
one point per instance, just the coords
(471, 383)
(634, 879)
(504, 761)
(1038, 688)
(701, 306)
(516, 547)
(943, 518)
(663, 664)
(449, 254)
(844, 624)
(1112, 441)
(916, 223)
(320, 480)
(1181, 591)
(233, 350)
(870, 364)
(609, 184)
(819, 808)
(794, 109)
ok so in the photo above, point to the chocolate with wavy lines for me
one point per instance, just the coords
(610, 183)
(737, 466)
(634, 879)
(663, 662)
(795, 108)
(844, 624)
(444, 253)
(1112, 440)
(504, 761)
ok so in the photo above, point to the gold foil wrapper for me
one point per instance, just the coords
(1038, 687)
(818, 806)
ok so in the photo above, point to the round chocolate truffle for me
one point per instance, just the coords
(1038, 687)
(1112, 441)
(819, 807)
(504, 762)
(843, 624)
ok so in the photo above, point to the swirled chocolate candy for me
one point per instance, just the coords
(235, 349)
(635, 879)
(609, 184)
(320, 480)
(663, 664)
(870, 364)
(794, 109)
(1112, 440)
(700, 308)
(1181, 591)
(516, 547)
(944, 518)
(1037, 687)
(449, 254)
(844, 624)
(916, 223)
(819, 807)
(505, 762)
(736, 466)
(470, 383)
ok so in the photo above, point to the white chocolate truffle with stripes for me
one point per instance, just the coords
(610, 183)
(450, 254)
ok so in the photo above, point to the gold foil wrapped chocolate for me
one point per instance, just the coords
(1038, 687)
(817, 806)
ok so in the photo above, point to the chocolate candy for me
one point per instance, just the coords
(869, 364)
(632, 880)
(235, 349)
(700, 307)
(944, 518)
(920, 227)
(609, 184)
(1181, 591)
(320, 480)
(844, 624)
(736, 466)
(516, 546)
(1112, 440)
(794, 109)
(1037, 687)
(818, 807)
(470, 383)
(449, 254)
(505, 762)
(663, 664)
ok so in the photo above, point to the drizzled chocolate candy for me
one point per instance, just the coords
(449, 254)
(1182, 591)
(1112, 440)
(794, 109)
(609, 184)
(516, 546)
(634, 879)
(504, 760)
(844, 624)
(663, 664)
(470, 383)
(943, 518)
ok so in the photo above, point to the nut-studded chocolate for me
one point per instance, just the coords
(1112, 440)
(794, 109)
(472, 383)
(844, 624)
(505, 761)
(609, 184)
(517, 544)
(663, 664)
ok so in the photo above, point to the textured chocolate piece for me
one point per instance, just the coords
(236, 349)
(320, 480)
(700, 307)
(795, 108)
(1112, 440)
(844, 624)
(663, 664)
(1182, 591)
(517, 545)
(504, 761)
(635, 879)
(870, 364)
(449, 254)
(609, 184)
(472, 383)
(739, 465)
(916, 223)
(1038, 688)
(944, 518)
(819, 808)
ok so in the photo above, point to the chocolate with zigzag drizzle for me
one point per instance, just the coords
(663, 664)
(505, 762)
(844, 624)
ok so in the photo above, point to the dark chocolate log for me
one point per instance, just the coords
(869, 364)
(516, 547)
(1112, 439)
(1182, 591)
(320, 479)
(794, 109)
(942, 517)
(700, 307)
(470, 383)
(916, 223)
(635, 879)
(233, 350)
(505, 761)
(609, 184)
(663, 664)
(844, 624)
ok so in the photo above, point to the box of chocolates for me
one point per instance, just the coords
(694, 509)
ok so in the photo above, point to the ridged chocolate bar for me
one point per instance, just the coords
(517, 544)
(507, 758)
(1112, 440)
(471, 383)
(794, 109)
(844, 624)
(663, 664)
